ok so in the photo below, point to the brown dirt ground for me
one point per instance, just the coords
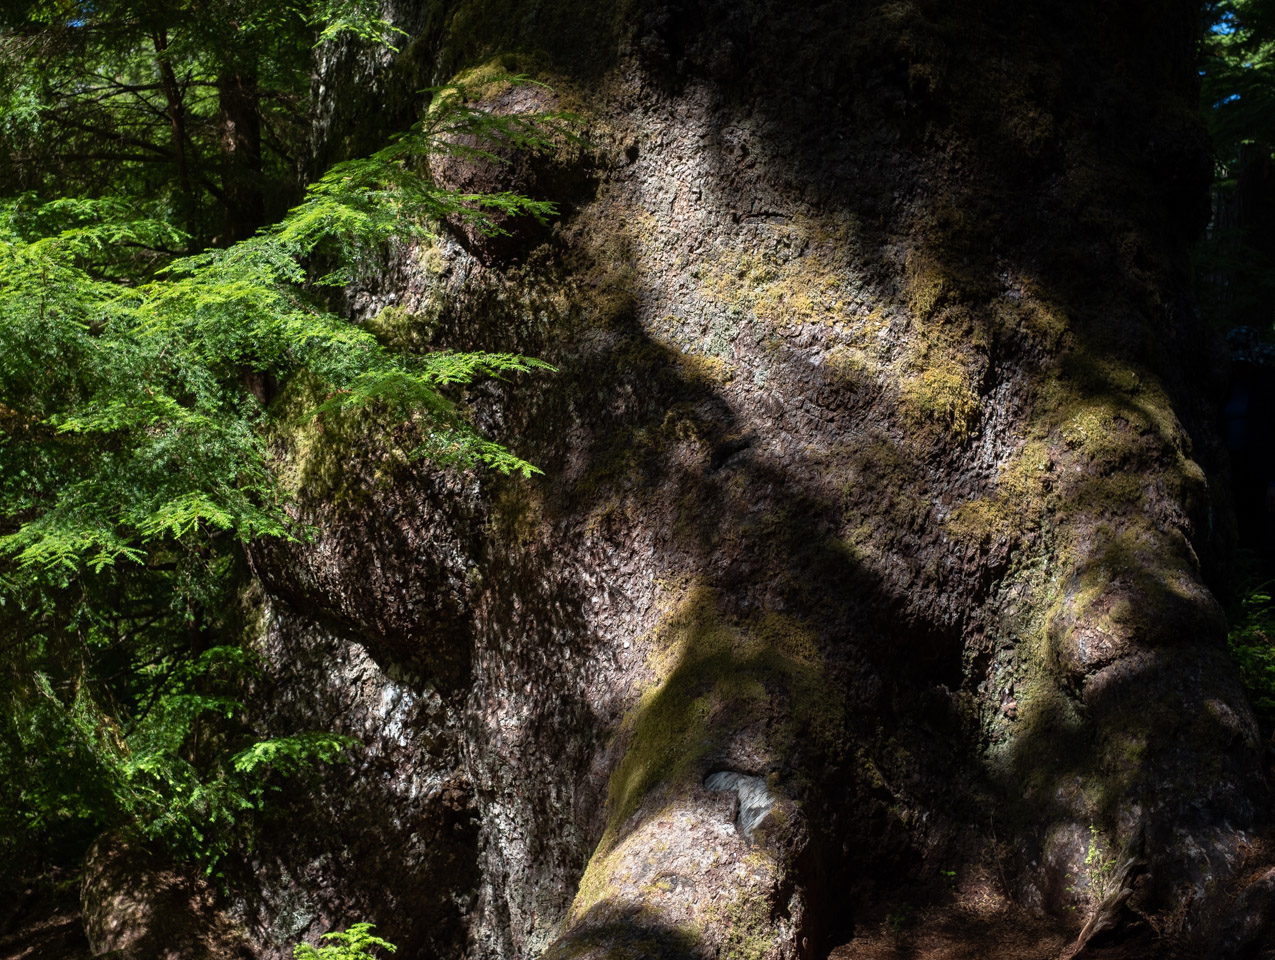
(966, 938)
(53, 933)
(979, 924)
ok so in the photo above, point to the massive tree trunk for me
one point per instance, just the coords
(865, 592)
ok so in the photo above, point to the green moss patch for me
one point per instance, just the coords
(573, 36)
(400, 330)
(1016, 507)
(329, 457)
(802, 273)
(749, 928)
(714, 677)
(940, 397)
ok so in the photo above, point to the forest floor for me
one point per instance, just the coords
(54, 931)
(45, 927)
(974, 922)
(50, 927)
(952, 937)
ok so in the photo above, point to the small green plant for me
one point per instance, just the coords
(1252, 644)
(900, 918)
(354, 943)
(1100, 865)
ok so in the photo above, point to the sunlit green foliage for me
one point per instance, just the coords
(1238, 74)
(140, 390)
(133, 467)
(1252, 643)
(152, 775)
(355, 943)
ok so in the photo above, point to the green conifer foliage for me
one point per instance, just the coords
(134, 467)
(1236, 260)
(200, 106)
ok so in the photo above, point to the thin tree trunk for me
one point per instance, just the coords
(177, 118)
(1254, 206)
(240, 122)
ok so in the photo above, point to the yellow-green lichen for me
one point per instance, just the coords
(941, 395)
(1015, 507)
(489, 78)
(1124, 579)
(1029, 311)
(401, 330)
(802, 275)
(928, 284)
(706, 370)
(849, 364)
(748, 931)
(1105, 409)
(707, 361)
(944, 355)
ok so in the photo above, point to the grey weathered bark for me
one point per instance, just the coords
(876, 475)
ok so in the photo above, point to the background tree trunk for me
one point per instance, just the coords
(174, 100)
(240, 124)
